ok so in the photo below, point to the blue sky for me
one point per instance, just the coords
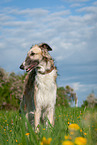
(69, 27)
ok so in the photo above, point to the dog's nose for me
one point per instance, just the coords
(21, 67)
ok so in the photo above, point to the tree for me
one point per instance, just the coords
(11, 89)
(91, 101)
(4, 87)
(71, 95)
(65, 96)
(16, 87)
(61, 97)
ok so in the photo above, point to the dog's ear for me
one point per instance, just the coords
(45, 46)
(46, 54)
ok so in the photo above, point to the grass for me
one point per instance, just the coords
(14, 132)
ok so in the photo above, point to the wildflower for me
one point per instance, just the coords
(66, 136)
(85, 133)
(27, 134)
(67, 143)
(43, 128)
(80, 141)
(80, 130)
(10, 130)
(12, 122)
(73, 127)
(72, 133)
(46, 141)
(16, 140)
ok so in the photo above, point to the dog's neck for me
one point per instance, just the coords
(46, 66)
(47, 70)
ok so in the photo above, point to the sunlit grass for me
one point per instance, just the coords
(14, 132)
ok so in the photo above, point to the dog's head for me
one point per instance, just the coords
(35, 55)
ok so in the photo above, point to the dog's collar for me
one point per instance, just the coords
(47, 71)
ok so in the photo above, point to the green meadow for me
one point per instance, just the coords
(14, 132)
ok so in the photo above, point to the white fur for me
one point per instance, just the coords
(46, 93)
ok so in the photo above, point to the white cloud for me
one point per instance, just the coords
(61, 13)
(90, 9)
(5, 1)
(77, 86)
(25, 12)
(76, 0)
(76, 5)
(95, 3)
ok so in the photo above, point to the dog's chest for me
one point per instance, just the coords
(46, 92)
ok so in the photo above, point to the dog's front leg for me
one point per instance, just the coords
(37, 119)
(51, 116)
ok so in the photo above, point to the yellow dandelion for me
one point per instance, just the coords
(66, 136)
(43, 128)
(7, 139)
(73, 127)
(16, 140)
(27, 134)
(72, 133)
(67, 143)
(80, 130)
(68, 122)
(70, 138)
(46, 141)
(10, 130)
(80, 141)
(41, 143)
(85, 133)
(49, 140)
(4, 129)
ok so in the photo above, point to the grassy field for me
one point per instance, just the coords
(72, 126)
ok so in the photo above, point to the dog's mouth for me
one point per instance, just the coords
(31, 67)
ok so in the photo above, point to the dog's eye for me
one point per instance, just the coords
(32, 54)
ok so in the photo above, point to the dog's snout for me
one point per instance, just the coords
(22, 66)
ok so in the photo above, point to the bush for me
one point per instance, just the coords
(11, 88)
(91, 101)
(61, 97)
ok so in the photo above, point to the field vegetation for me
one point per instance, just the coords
(76, 126)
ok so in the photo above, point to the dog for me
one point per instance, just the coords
(39, 95)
